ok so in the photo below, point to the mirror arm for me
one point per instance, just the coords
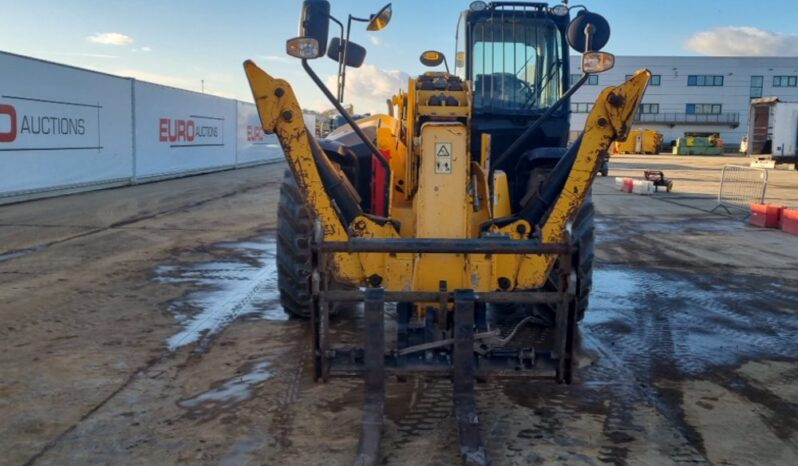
(522, 139)
(445, 63)
(340, 59)
(376, 152)
(589, 31)
(342, 55)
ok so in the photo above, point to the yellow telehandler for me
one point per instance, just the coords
(462, 204)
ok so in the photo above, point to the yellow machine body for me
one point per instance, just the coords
(438, 188)
(639, 141)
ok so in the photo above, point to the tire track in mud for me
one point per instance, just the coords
(423, 429)
(644, 336)
(191, 358)
(16, 253)
(641, 346)
(141, 371)
(645, 355)
(283, 419)
(781, 415)
(247, 265)
(628, 390)
(664, 345)
(238, 282)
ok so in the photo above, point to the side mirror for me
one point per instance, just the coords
(588, 22)
(431, 58)
(355, 54)
(314, 23)
(381, 19)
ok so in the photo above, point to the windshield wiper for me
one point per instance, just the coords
(544, 83)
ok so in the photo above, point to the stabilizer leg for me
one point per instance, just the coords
(465, 407)
(315, 324)
(368, 449)
(566, 318)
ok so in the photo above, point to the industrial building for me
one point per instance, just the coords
(693, 94)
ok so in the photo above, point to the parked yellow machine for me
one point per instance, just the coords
(452, 200)
(639, 141)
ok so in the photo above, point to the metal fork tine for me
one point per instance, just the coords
(465, 407)
(368, 449)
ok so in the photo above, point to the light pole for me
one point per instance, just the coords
(375, 23)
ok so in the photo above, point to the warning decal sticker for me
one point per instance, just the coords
(443, 157)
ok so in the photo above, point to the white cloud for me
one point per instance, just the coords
(91, 55)
(214, 85)
(375, 40)
(275, 58)
(368, 87)
(141, 49)
(110, 38)
(743, 41)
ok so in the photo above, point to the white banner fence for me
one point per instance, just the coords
(66, 129)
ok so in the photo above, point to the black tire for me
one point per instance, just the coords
(584, 232)
(294, 229)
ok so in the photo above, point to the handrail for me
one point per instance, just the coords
(731, 118)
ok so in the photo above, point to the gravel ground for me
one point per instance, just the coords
(141, 326)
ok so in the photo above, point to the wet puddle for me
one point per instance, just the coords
(231, 391)
(243, 283)
(691, 322)
(6, 256)
(609, 229)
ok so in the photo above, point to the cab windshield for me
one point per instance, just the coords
(516, 63)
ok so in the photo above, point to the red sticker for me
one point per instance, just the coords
(11, 135)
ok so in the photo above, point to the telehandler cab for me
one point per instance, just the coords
(462, 205)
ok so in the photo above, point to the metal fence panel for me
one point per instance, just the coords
(740, 187)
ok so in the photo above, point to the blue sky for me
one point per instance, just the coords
(182, 42)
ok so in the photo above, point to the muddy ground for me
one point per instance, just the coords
(141, 326)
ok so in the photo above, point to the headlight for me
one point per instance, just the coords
(302, 47)
(597, 62)
(559, 10)
(478, 6)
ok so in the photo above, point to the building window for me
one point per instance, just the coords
(648, 108)
(704, 80)
(581, 107)
(756, 86)
(592, 80)
(655, 80)
(704, 109)
(785, 81)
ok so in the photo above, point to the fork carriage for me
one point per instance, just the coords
(454, 339)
